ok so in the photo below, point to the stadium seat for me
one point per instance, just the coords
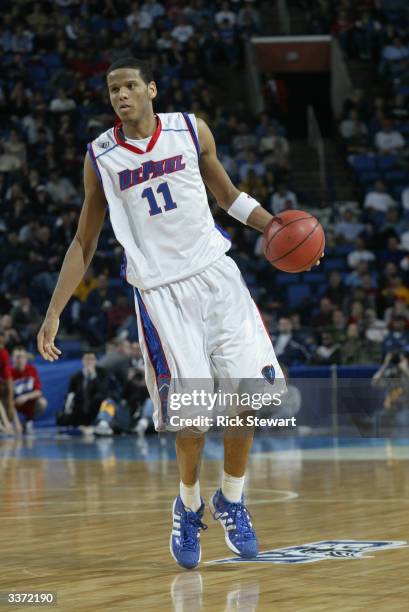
(397, 191)
(51, 60)
(297, 294)
(335, 263)
(71, 349)
(342, 250)
(314, 278)
(396, 177)
(283, 278)
(404, 90)
(386, 162)
(370, 176)
(363, 162)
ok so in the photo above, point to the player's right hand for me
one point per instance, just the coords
(46, 337)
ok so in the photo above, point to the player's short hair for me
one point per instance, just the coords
(144, 67)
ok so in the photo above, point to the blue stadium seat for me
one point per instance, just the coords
(283, 278)
(118, 25)
(342, 250)
(38, 74)
(71, 349)
(396, 177)
(314, 278)
(364, 162)
(334, 263)
(404, 90)
(297, 294)
(397, 191)
(116, 283)
(386, 162)
(51, 60)
(370, 176)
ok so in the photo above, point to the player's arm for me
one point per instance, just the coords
(77, 259)
(218, 182)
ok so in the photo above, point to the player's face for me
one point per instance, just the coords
(130, 96)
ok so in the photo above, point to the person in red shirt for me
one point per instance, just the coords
(8, 414)
(28, 396)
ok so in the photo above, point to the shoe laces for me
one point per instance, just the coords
(191, 524)
(237, 515)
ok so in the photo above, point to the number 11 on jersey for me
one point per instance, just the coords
(163, 189)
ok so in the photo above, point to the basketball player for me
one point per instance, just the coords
(196, 319)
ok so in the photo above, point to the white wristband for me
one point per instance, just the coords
(242, 207)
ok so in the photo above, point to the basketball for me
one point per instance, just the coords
(293, 241)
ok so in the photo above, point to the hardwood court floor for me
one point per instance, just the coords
(90, 520)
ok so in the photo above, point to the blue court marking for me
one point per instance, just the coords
(50, 445)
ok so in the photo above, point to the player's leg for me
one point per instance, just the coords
(227, 504)
(169, 345)
(239, 358)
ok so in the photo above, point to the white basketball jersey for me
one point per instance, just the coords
(157, 202)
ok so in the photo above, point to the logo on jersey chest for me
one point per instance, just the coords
(150, 169)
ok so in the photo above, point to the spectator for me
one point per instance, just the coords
(358, 350)
(87, 389)
(335, 292)
(375, 329)
(274, 147)
(8, 162)
(399, 308)
(393, 376)
(119, 315)
(26, 319)
(28, 396)
(352, 126)
(283, 199)
(395, 51)
(338, 326)
(251, 163)
(389, 141)
(378, 200)
(225, 14)
(288, 349)
(348, 229)
(183, 31)
(9, 421)
(398, 336)
(327, 351)
(405, 199)
(22, 40)
(62, 103)
(361, 253)
(117, 359)
(322, 318)
(61, 189)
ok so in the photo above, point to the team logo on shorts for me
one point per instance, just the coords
(269, 373)
(318, 551)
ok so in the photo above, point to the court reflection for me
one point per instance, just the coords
(192, 591)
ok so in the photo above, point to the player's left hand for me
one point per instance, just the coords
(46, 337)
(317, 264)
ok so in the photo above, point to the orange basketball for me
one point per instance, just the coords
(293, 241)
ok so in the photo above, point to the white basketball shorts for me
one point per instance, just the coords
(206, 327)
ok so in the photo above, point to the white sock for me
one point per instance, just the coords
(232, 487)
(190, 496)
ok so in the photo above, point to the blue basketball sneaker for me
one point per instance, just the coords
(236, 521)
(185, 536)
